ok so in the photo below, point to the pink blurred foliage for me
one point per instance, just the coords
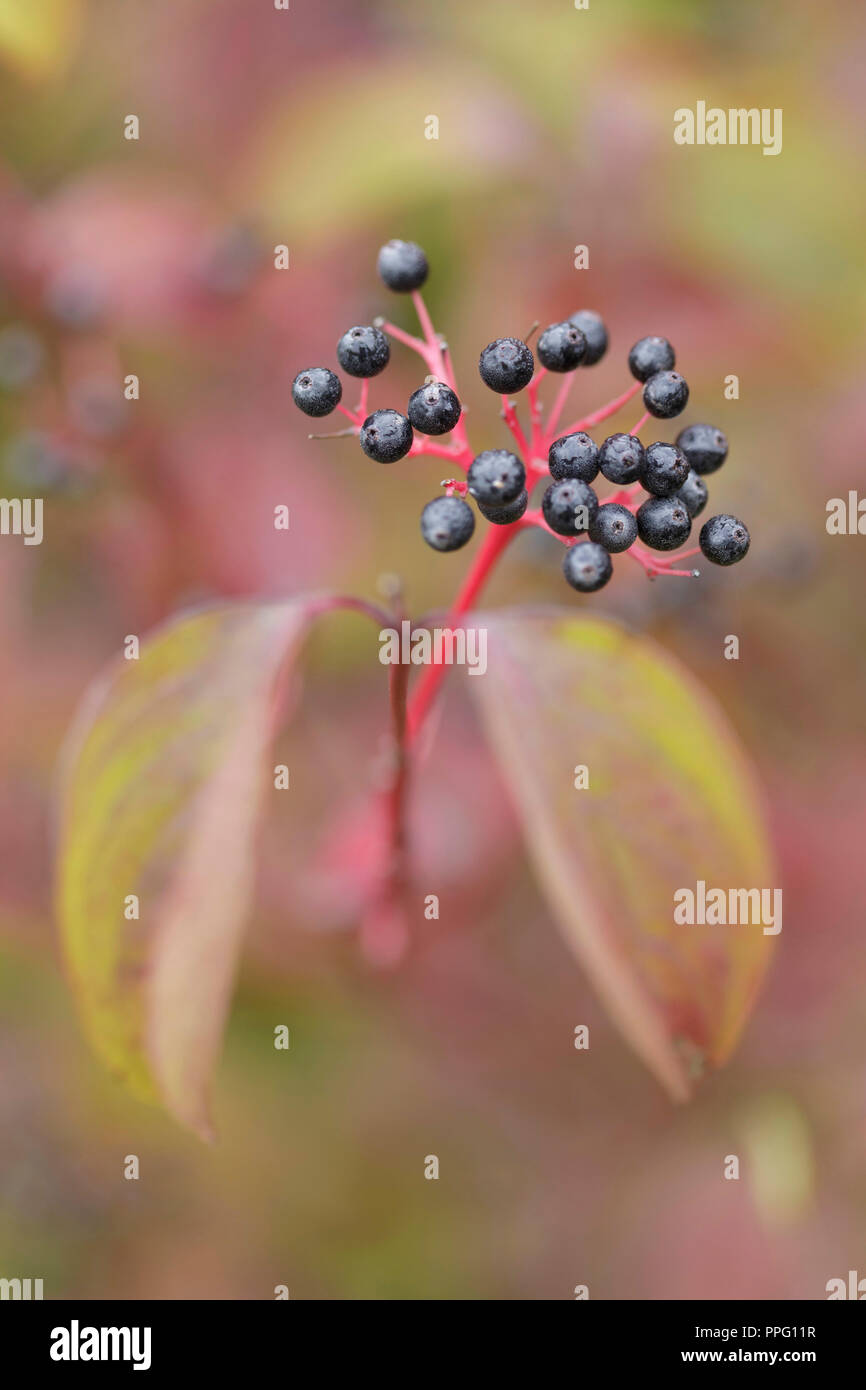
(319, 876)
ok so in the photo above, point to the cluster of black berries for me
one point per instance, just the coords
(672, 474)
(364, 351)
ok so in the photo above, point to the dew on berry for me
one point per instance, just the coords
(363, 351)
(569, 506)
(506, 365)
(402, 265)
(433, 408)
(317, 391)
(573, 455)
(650, 355)
(663, 523)
(447, 523)
(587, 567)
(386, 436)
(613, 527)
(594, 331)
(665, 469)
(504, 516)
(621, 458)
(705, 447)
(561, 347)
(666, 394)
(724, 540)
(496, 477)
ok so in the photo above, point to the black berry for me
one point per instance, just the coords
(386, 436)
(614, 527)
(496, 477)
(724, 540)
(620, 458)
(663, 523)
(650, 355)
(447, 523)
(503, 516)
(705, 447)
(573, 456)
(665, 469)
(694, 493)
(506, 365)
(316, 391)
(403, 266)
(569, 506)
(561, 347)
(433, 408)
(587, 567)
(592, 327)
(666, 394)
(363, 351)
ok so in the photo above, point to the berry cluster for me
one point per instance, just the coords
(500, 481)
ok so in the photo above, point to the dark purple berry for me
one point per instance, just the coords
(561, 347)
(447, 523)
(587, 567)
(504, 516)
(363, 351)
(403, 266)
(724, 540)
(665, 469)
(592, 327)
(506, 365)
(614, 527)
(569, 506)
(317, 391)
(620, 458)
(694, 493)
(705, 447)
(433, 408)
(496, 478)
(650, 355)
(386, 436)
(573, 456)
(663, 523)
(665, 395)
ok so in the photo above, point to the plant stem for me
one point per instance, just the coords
(398, 683)
(558, 404)
(497, 538)
(606, 410)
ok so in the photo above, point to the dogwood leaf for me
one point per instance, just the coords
(670, 801)
(161, 789)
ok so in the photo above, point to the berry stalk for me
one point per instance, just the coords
(494, 543)
(605, 411)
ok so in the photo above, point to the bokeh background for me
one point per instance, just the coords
(156, 257)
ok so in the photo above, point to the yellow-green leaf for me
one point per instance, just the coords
(160, 797)
(670, 801)
(37, 36)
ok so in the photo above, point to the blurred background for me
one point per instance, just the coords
(155, 257)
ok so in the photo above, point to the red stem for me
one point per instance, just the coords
(509, 415)
(610, 409)
(558, 404)
(494, 543)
